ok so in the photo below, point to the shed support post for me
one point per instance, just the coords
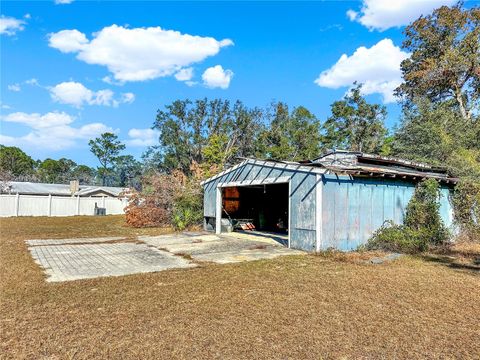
(318, 212)
(17, 203)
(218, 211)
(49, 212)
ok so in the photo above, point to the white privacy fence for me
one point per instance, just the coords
(48, 205)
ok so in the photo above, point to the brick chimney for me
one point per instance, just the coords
(74, 186)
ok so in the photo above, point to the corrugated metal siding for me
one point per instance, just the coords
(353, 208)
(209, 194)
(302, 217)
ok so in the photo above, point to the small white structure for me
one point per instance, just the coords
(39, 199)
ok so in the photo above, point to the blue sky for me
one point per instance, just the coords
(70, 71)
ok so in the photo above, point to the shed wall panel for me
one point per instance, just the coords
(353, 208)
(302, 217)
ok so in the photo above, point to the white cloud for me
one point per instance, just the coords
(215, 77)
(76, 94)
(378, 68)
(185, 74)
(138, 54)
(38, 121)
(9, 25)
(352, 15)
(109, 80)
(68, 41)
(32, 81)
(72, 93)
(143, 137)
(384, 14)
(14, 87)
(51, 131)
(63, 2)
(128, 98)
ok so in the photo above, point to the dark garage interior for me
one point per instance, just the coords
(264, 206)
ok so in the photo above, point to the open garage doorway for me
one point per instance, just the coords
(257, 210)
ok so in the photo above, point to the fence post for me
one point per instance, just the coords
(78, 205)
(17, 203)
(49, 204)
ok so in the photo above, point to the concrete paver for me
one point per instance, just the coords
(73, 262)
(38, 242)
(84, 258)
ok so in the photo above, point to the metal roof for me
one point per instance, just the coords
(287, 165)
(14, 187)
(356, 164)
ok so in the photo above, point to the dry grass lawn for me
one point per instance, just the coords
(298, 307)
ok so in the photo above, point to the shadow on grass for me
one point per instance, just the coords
(453, 262)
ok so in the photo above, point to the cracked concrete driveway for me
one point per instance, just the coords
(74, 259)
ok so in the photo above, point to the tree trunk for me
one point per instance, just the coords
(461, 105)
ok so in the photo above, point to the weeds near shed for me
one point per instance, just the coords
(171, 199)
(466, 201)
(422, 228)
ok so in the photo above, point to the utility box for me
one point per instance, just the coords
(98, 211)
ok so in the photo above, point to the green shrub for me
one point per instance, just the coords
(188, 206)
(423, 213)
(397, 238)
(466, 202)
(422, 226)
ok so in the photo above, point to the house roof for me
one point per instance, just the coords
(356, 164)
(14, 187)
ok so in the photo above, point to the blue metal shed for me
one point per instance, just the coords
(335, 201)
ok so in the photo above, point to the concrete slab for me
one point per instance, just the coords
(245, 255)
(222, 245)
(73, 262)
(85, 258)
(263, 236)
(163, 241)
(225, 248)
(38, 242)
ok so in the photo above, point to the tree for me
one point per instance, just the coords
(84, 174)
(436, 133)
(445, 59)
(355, 124)
(106, 148)
(247, 127)
(127, 171)
(15, 162)
(181, 134)
(56, 171)
(291, 136)
(203, 132)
